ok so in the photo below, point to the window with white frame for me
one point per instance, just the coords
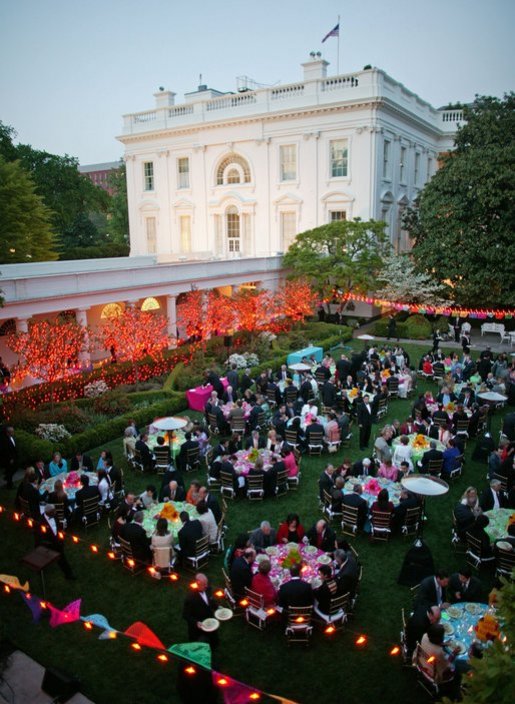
(232, 219)
(232, 162)
(335, 215)
(402, 165)
(288, 159)
(233, 176)
(288, 228)
(150, 225)
(386, 158)
(416, 170)
(385, 217)
(183, 172)
(148, 175)
(339, 158)
(185, 229)
(429, 168)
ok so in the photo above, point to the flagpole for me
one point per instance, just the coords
(338, 50)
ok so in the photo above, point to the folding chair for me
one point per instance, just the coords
(282, 484)
(227, 485)
(128, 560)
(434, 467)
(255, 613)
(90, 512)
(475, 554)
(456, 472)
(238, 425)
(162, 455)
(327, 507)
(219, 545)
(338, 612)
(255, 491)
(212, 422)
(393, 386)
(201, 556)
(350, 520)
(411, 522)
(381, 525)
(192, 459)
(298, 627)
(315, 444)
(291, 438)
(462, 427)
(504, 563)
(382, 408)
(25, 508)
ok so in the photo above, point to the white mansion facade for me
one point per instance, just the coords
(219, 186)
(240, 174)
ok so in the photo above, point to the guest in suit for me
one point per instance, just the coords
(355, 500)
(8, 455)
(241, 572)
(135, 534)
(198, 606)
(81, 462)
(296, 592)
(418, 623)
(283, 373)
(189, 445)
(147, 458)
(211, 502)
(364, 468)
(431, 590)
(50, 539)
(210, 377)
(28, 490)
(346, 571)
(87, 492)
(431, 455)
(463, 586)
(114, 474)
(188, 535)
(172, 492)
(364, 414)
(326, 481)
(493, 497)
(255, 441)
(479, 533)
(328, 590)
(322, 536)
(232, 377)
(262, 537)
(407, 500)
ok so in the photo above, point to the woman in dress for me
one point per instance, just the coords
(403, 453)
(382, 504)
(57, 465)
(59, 496)
(388, 471)
(289, 459)
(291, 530)
(207, 519)
(162, 545)
(104, 487)
(273, 441)
(105, 454)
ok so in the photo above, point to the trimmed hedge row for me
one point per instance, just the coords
(416, 327)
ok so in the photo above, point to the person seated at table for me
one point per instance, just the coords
(477, 531)
(148, 498)
(432, 590)
(438, 664)
(114, 475)
(161, 545)
(450, 455)
(289, 459)
(326, 481)
(431, 455)
(337, 494)
(463, 586)
(233, 551)
(229, 395)
(408, 427)
(344, 469)
(188, 535)
(494, 462)
(322, 536)
(104, 488)
(440, 431)
(241, 572)
(49, 538)
(403, 452)
(28, 490)
(121, 516)
(145, 453)
(255, 442)
(255, 412)
(332, 431)
(81, 462)
(135, 534)
(388, 471)
(237, 412)
(192, 493)
(466, 511)
(295, 592)
(291, 530)
(418, 623)
(207, 519)
(407, 500)
(172, 492)
(459, 415)
(86, 492)
(427, 366)
(57, 465)
(270, 478)
(314, 429)
(41, 471)
(262, 584)
(189, 445)
(328, 590)
(382, 504)
(493, 497)
(346, 571)
(105, 454)
(262, 537)
(446, 396)
(364, 468)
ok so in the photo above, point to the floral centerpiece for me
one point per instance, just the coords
(353, 393)
(450, 407)
(169, 512)
(292, 558)
(253, 455)
(420, 442)
(73, 479)
(372, 487)
(487, 628)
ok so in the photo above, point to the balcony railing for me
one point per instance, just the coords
(452, 116)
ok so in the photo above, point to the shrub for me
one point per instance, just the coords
(75, 419)
(112, 404)
(418, 327)
(54, 432)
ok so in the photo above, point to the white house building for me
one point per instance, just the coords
(240, 174)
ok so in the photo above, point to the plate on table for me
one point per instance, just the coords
(324, 560)
(292, 546)
(223, 614)
(504, 545)
(473, 609)
(455, 611)
(449, 630)
(271, 550)
(261, 557)
(453, 644)
(209, 624)
(310, 550)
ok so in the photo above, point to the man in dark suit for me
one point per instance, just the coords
(431, 455)
(29, 491)
(135, 534)
(198, 606)
(343, 367)
(205, 495)
(314, 433)
(325, 481)
(459, 415)
(255, 441)
(188, 535)
(306, 389)
(407, 500)
(232, 377)
(322, 372)
(8, 455)
(328, 590)
(114, 474)
(262, 537)
(365, 467)
(87, 492)
(49, 538)
(467, 398)
(147, 458)
(254, 416)
(212, 378)
(463, 586)
(296, 592)
(418, 623)
(346, 571)
(188, 445)
(432, 590)
(229, 395)
(329, 393)
(172, 492)
(493, 497)
(81, 462)
(241, 573)
(364, 414)
(272, 390)
(245, 381)
(322, 536)
(355, 500)
(283, 373)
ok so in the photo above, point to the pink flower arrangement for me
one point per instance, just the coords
(72, 479)
(372, 487)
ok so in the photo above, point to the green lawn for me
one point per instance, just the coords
(329, 672)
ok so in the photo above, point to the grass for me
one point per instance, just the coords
(330, 671)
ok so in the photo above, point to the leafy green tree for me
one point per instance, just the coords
(463, 222)
(7, 147)
(25, 225)
(118, 208)
(342, 255)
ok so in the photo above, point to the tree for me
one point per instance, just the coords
(254, 310)
(463, 222)
(205, 313)
(294, 301)
(401, 282)
(47, 350)
(118, 207)
(343, 255)
(25, 225)
(133, 335)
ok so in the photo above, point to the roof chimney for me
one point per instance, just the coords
(316, 67)
(164, 98)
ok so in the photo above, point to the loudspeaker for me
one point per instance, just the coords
(59, 684)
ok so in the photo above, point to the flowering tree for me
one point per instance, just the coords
(255, 311)
(133, 335)
(402, 282)
(294, 302)
(205, 313)
(48, 350)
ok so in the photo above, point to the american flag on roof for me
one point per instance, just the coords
(335, 32)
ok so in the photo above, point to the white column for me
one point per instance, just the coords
(171, 315)
(22, 325)
(81, 316)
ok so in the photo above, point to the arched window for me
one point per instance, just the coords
(111, 310)
(229, 167)
(8, 327)
(150, 304)
(232, 218)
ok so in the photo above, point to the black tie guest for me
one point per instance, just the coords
(463, 586)
(187, 446)
(28, 490)
(296, 592)
(81, 462)
(147, 458)
(86, 492)
(356, 500)
(328, 590)
(135, 534)
(199, 606)
(188, 535)
(8, 455)
(241, 572)
(49, 538)
(210, 377)
(364, 413)
(322, 536)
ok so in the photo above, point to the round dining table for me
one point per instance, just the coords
(419, 445)
(246, 460)
(459, 621)
(71, 483)
(177, 440)
(499, 522)
(311, 556)
(174, 525)
(372, 486)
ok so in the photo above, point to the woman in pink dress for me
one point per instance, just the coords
(289, 461)
(388, 471)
